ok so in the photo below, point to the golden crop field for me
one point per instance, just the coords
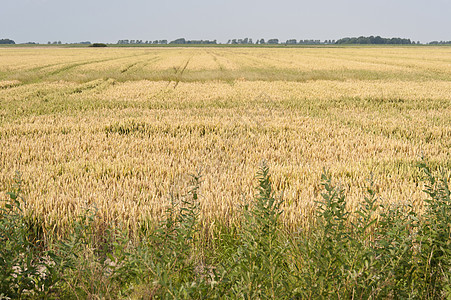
(122, 128)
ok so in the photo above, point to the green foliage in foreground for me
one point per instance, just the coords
(376, 252)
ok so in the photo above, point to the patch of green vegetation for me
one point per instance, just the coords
(376, 252)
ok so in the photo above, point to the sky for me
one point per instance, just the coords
(111, 20)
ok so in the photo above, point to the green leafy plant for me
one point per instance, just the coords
(376, 252)
(323, 252)
(92, 261)
(24, 267)
(435, 236)
(258, 268)
(165, 258)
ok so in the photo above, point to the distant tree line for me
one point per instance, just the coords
(248, 41)
(132, 42)
(183, 41)
(244, 41)
(276, 41)
(7, 41)
(374, 40)
(440, 43)
(165, 42)
(309, 42)
(377, 40)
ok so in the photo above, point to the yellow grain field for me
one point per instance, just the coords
(122, 128)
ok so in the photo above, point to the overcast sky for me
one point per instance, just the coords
(111, 20)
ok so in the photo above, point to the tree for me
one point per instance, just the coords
(178, 41)
(378, 40)
(98, 45)
(7, 41)
(373, 40)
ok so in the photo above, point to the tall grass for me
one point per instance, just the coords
(377, 252)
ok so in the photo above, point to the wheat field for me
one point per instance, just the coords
(120, 129)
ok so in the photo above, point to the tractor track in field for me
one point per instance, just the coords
(144, 63)
(179, 72)
(72, 66)
(215, 58)
(66, 67)
(127, 68)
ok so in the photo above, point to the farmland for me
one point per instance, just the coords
(225, 173)
(120, 129)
